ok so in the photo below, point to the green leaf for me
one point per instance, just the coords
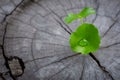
(85, 39)
(86, 12)
(71, 17)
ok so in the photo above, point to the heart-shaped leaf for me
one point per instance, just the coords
(85, 39)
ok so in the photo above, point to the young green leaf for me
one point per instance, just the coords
(86, 12)
(85, 39)
(71, 17)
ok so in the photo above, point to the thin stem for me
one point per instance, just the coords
(81, 20)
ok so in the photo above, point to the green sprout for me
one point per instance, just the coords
(86, 38)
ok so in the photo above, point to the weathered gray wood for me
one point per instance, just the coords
(6, 8)
(37, 34)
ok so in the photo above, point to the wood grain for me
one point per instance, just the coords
(36, 33)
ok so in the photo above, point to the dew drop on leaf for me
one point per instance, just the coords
(83, 42)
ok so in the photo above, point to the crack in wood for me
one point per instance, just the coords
(12, 11)
(16, 66)
(3, 50)
(95, 59)
(1, 76)
(101, 67)
(60, 20)
(62, 26)
(3, 40)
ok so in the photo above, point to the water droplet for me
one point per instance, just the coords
(83, 42)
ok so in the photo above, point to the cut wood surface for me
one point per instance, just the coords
(35, 32)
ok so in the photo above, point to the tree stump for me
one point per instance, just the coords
(35, 32)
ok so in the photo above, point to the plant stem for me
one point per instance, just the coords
(81, 20)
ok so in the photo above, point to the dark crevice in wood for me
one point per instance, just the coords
(66, 25)
(2, 77)
(21, 64)
(63, 26)
(101, 67)
(12, 11)
(97, 61)
(3, 42)
(3, 51)
(0, 45)
(3, 74)
(70, 30)
(60, 17)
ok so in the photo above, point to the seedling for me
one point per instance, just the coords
(86, 38)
